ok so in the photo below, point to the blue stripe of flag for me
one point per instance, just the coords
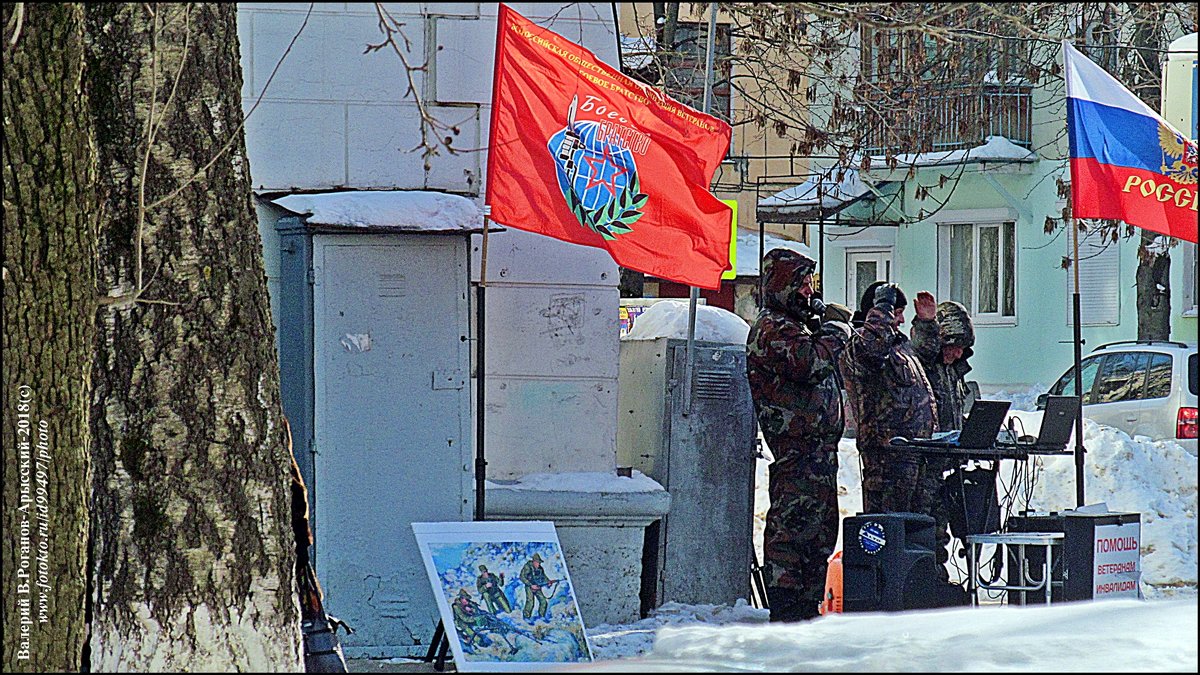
(1113, 136)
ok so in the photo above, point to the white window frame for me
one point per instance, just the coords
(886, 254)
(1188, 260)
(978, 219)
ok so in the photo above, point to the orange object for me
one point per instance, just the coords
(832, 604)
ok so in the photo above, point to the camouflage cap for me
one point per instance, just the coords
(954, 324)
(536, 557)
(782, 271)
(464, 593)
(483, 568)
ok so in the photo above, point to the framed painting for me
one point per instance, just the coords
(504, 594)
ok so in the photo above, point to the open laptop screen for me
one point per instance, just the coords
(1057, 422)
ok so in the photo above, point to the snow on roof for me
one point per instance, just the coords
(832, 190)
(994, 149)
(1184, 45)
(669, 319)
(406, 210)
(747, 250)
(836, 191)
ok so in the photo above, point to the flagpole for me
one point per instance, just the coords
(481, 378)
(694, 295)
(1078, 368)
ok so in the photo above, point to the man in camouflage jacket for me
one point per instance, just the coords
(892, 398)
(791, 361)
(943, 336)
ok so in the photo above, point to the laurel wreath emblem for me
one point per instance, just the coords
(615, 217)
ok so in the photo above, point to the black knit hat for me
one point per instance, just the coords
(868, 298)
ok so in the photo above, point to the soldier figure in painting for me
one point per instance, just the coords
(491, 587)
(469, 619)
(472, 621)
(535, 580)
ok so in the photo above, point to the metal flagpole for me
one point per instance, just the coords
(820, 236)
(480, 380)
(694, 296)
(1078, 370)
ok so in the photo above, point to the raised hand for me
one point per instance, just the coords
(925, 306)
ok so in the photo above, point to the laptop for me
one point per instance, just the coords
(1058, 421)
(978, 433)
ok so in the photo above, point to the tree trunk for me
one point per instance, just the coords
(192, 543)
(1154, 262)
(1153, 289)
(49, 303)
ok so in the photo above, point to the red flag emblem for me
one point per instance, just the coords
(582, 153)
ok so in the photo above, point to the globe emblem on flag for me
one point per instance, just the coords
(598, 178)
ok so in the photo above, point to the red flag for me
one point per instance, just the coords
(582, 153)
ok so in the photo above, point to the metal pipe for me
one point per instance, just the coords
(1079, 501)
(694, 294)
(481, 382)
(820, 237)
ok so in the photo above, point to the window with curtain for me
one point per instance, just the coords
(979, 263)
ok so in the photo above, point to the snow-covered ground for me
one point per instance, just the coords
(1154, 478)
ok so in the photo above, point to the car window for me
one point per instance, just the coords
(1066, 384)
(1123, 377)
(1192, 374)
(1158, 376)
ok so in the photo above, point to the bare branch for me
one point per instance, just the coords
(233, 135)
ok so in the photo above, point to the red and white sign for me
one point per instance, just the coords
(1118, 561)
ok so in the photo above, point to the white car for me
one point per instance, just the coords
(1142, 387)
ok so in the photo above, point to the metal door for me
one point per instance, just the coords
(392, 411)
(708, 533)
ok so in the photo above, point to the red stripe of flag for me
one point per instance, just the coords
(1144, 198)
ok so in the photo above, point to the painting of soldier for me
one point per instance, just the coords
(504, 594)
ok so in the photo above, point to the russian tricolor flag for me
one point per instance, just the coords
(1127, 162)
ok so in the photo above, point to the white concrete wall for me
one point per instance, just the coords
(336, 117)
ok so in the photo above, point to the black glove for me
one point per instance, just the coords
(888, 297)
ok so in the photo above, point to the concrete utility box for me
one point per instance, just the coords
(375, 364)
(700, 552)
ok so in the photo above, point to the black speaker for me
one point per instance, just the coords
(888, 563)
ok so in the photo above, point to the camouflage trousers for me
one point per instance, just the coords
(903, 482)
(802, 524)
(932, 502)
(891, 481)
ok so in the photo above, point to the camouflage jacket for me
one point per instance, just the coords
(792, 370)
(892, 395)
(947, 380)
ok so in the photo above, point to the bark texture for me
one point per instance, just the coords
(49, 306)
(1153, 289)
(193, 555)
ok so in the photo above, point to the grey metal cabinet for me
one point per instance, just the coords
(700, 553)
(374, 359)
